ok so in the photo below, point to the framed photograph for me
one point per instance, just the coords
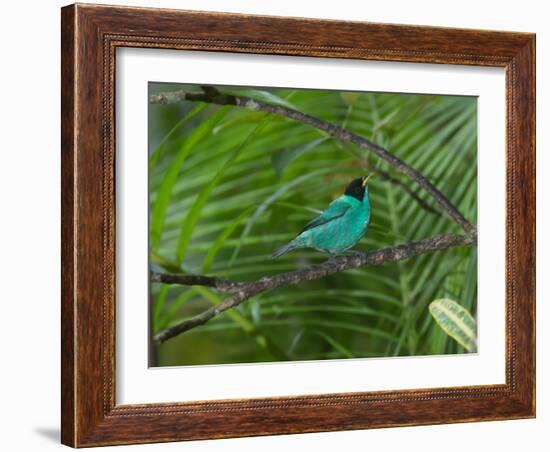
(282, 225)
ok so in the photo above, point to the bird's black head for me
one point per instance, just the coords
(356, 188)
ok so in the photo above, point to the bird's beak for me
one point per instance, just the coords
(367, 178)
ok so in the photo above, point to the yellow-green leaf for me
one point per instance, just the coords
(456, 321)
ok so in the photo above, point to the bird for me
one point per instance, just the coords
(340, 226)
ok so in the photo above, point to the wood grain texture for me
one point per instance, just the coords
(68, 310)
(90, 36)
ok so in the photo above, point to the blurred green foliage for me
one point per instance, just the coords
(229, 185)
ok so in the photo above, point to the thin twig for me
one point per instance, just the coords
(241, 291)
(214, 96)
(392, 180)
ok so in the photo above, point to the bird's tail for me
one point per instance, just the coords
(284, 249)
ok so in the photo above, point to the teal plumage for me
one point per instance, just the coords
(340, 226)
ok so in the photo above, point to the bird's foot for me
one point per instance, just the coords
(332, 258)
(354, 253)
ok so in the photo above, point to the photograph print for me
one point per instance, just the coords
(299, 225)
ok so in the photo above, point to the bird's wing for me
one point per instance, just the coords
(332, 212)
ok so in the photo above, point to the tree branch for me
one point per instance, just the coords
(241, 291)
(194, 280)
(214, 96)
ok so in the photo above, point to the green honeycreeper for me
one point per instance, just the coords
(340, 226)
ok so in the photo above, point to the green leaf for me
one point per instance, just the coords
(175, 305)
(159, 302)
(165, 191)
(156, 153)
(281, 191)
(350, 98)
(212, 250)
(246, 117)
(233, 314)
(282, 158)
(164, 262)
(383, 122)
(246, 325)
(345, 352)
(455, 321)
(194, 212)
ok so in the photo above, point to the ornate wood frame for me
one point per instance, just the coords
(90, 35)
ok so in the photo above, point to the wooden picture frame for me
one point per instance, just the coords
(90, 36)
